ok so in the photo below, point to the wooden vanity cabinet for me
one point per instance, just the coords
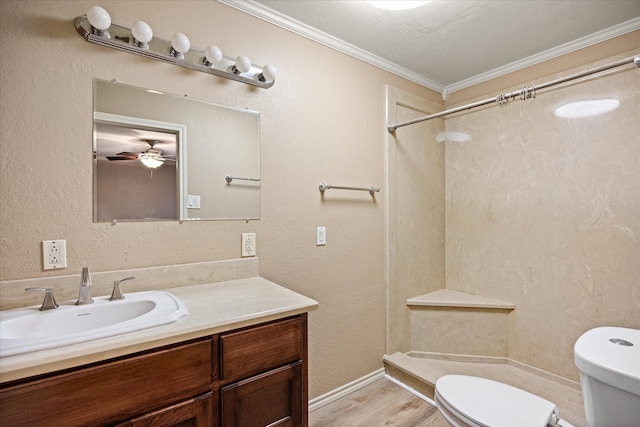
(263, 374)
(256, 376)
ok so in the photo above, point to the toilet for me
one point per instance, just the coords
(609, 362)
(467, 401)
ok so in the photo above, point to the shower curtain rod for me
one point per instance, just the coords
(522, 94)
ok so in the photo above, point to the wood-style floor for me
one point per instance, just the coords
(381, 403)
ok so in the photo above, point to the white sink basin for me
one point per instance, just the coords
(28, 329)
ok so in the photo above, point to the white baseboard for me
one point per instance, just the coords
(344, 390)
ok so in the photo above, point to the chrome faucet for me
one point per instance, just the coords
(49, 302)
(117, 294)
(84, 297)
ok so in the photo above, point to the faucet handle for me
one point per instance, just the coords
(117, 294)
(49, 302)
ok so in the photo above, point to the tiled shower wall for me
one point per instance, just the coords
(544, 212)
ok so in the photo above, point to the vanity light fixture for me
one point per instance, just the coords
(96, 27)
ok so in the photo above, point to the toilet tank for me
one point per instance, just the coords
(609, 362)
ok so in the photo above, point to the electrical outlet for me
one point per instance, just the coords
(248, 244)
(54, 254)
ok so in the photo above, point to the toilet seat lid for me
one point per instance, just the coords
(494, 404)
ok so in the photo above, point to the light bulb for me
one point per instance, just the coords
(152, 163)
(269, 73)
(180, 44)
(151, 160)
(212, 55)
(142, 33)
(243, 64)
(99, 19)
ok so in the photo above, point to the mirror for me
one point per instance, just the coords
(159, 157)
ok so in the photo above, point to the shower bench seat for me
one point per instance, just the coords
(453, 322)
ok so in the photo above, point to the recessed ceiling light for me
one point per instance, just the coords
(587, 108)
(398, 4)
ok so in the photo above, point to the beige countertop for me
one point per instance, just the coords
(213, 308)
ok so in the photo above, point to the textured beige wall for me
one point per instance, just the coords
(544, 212)
(322, 121)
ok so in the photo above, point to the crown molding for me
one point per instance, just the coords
(581, 43)
(274, 17)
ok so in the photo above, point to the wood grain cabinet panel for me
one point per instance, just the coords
(107, 392)
(195, 412)
(270, 399)
(259, 349)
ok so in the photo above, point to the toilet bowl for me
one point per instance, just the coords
(609, 362)
(466, 401)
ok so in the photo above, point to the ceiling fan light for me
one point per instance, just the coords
(152, 161)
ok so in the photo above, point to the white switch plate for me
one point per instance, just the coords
(193, 202)
(321, 236)
(54, 254)
(248, 244)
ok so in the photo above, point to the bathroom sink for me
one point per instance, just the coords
(28, 329)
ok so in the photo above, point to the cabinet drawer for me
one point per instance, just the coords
(261, 348)
(111, 391)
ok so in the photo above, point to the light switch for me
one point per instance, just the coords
(321, 236)
(193, 202)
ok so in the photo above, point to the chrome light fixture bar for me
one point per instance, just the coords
(177, 51)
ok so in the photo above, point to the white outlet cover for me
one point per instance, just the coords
(54, 254)
(248, 244)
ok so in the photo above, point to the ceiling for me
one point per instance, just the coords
(448, 45)
(113, 139)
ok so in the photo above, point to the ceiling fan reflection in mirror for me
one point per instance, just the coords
(151, 158)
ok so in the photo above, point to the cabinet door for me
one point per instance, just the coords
(191, 413)
(270, 399)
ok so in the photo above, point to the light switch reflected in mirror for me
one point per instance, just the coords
(156, 154)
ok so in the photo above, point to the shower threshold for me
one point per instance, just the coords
(420, 370)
